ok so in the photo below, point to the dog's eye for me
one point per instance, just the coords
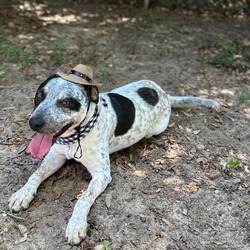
(70, 103)
(39, 95)
(66, 103)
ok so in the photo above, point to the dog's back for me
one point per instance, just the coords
(141, 109)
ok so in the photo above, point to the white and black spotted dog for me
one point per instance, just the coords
(71, 123)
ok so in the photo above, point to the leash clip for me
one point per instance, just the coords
(78, 147)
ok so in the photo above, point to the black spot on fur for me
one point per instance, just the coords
(125, 112)
(40, 94)
(69, 103)
(104, 103)
(148, 95)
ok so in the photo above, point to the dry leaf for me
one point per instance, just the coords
(108, 199)
(161, 184)
(193, 186)
(170, 182)
(246, 169)
(246, 42)
(24, 232)
(99, 247)
(24, 118)
(131, 165)
(187, 114)
(196, 132)
(176, 169)
(49, 52)
(186, 157)
(170, 155)
(185, 211)
(169, 224)
(132, 57)
(59, 193)
(180, 127)
(139, 173)
(213, 175)
(201, 160)
(22, 148)
(171, 125)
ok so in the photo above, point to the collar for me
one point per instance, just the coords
(81, 131)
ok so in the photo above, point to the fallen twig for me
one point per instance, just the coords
(12, 215)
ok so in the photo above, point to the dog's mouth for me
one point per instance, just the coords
(62, 131)
(41, 143)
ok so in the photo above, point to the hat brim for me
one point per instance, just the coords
(76, 79)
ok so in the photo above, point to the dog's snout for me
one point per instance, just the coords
(36, 123)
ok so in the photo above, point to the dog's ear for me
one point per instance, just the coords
(94, 94)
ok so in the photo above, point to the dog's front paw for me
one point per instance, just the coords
(21, 199)
(76, 230)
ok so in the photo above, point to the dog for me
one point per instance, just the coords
(72, 120)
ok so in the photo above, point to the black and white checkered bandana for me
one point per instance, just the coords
(81, 131)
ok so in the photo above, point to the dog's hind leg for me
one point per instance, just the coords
(159, 127)
(22, 198)
(77, 226)
(161, 123)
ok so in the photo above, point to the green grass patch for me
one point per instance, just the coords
(244, 96)
(220, 57)
(20, 56)
(186, 31)
(160, 208)
(106, 244)
(232, 164)
(85, 59)
(246, 201)
(102, 72)
(4, 72)
(58, 52)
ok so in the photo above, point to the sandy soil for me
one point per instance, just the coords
(174, 191)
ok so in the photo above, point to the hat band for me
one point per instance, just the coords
(83, 76)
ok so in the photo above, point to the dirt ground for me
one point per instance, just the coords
(187, 188)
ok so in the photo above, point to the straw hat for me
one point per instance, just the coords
(81, 74)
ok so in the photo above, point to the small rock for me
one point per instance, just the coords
(185, 211)
(246, 42)
(201, 160)
(139, 173)
(196, 132)
(23, 230)
(143, 218)
(11, 24)
(99, 247)
(108, 199)
(213, 175)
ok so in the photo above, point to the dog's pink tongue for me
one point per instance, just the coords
(40, 145)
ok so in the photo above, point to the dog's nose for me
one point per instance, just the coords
(36, 123)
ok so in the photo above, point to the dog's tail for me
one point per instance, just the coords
(179, 101)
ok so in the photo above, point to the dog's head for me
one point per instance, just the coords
(60, 106)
